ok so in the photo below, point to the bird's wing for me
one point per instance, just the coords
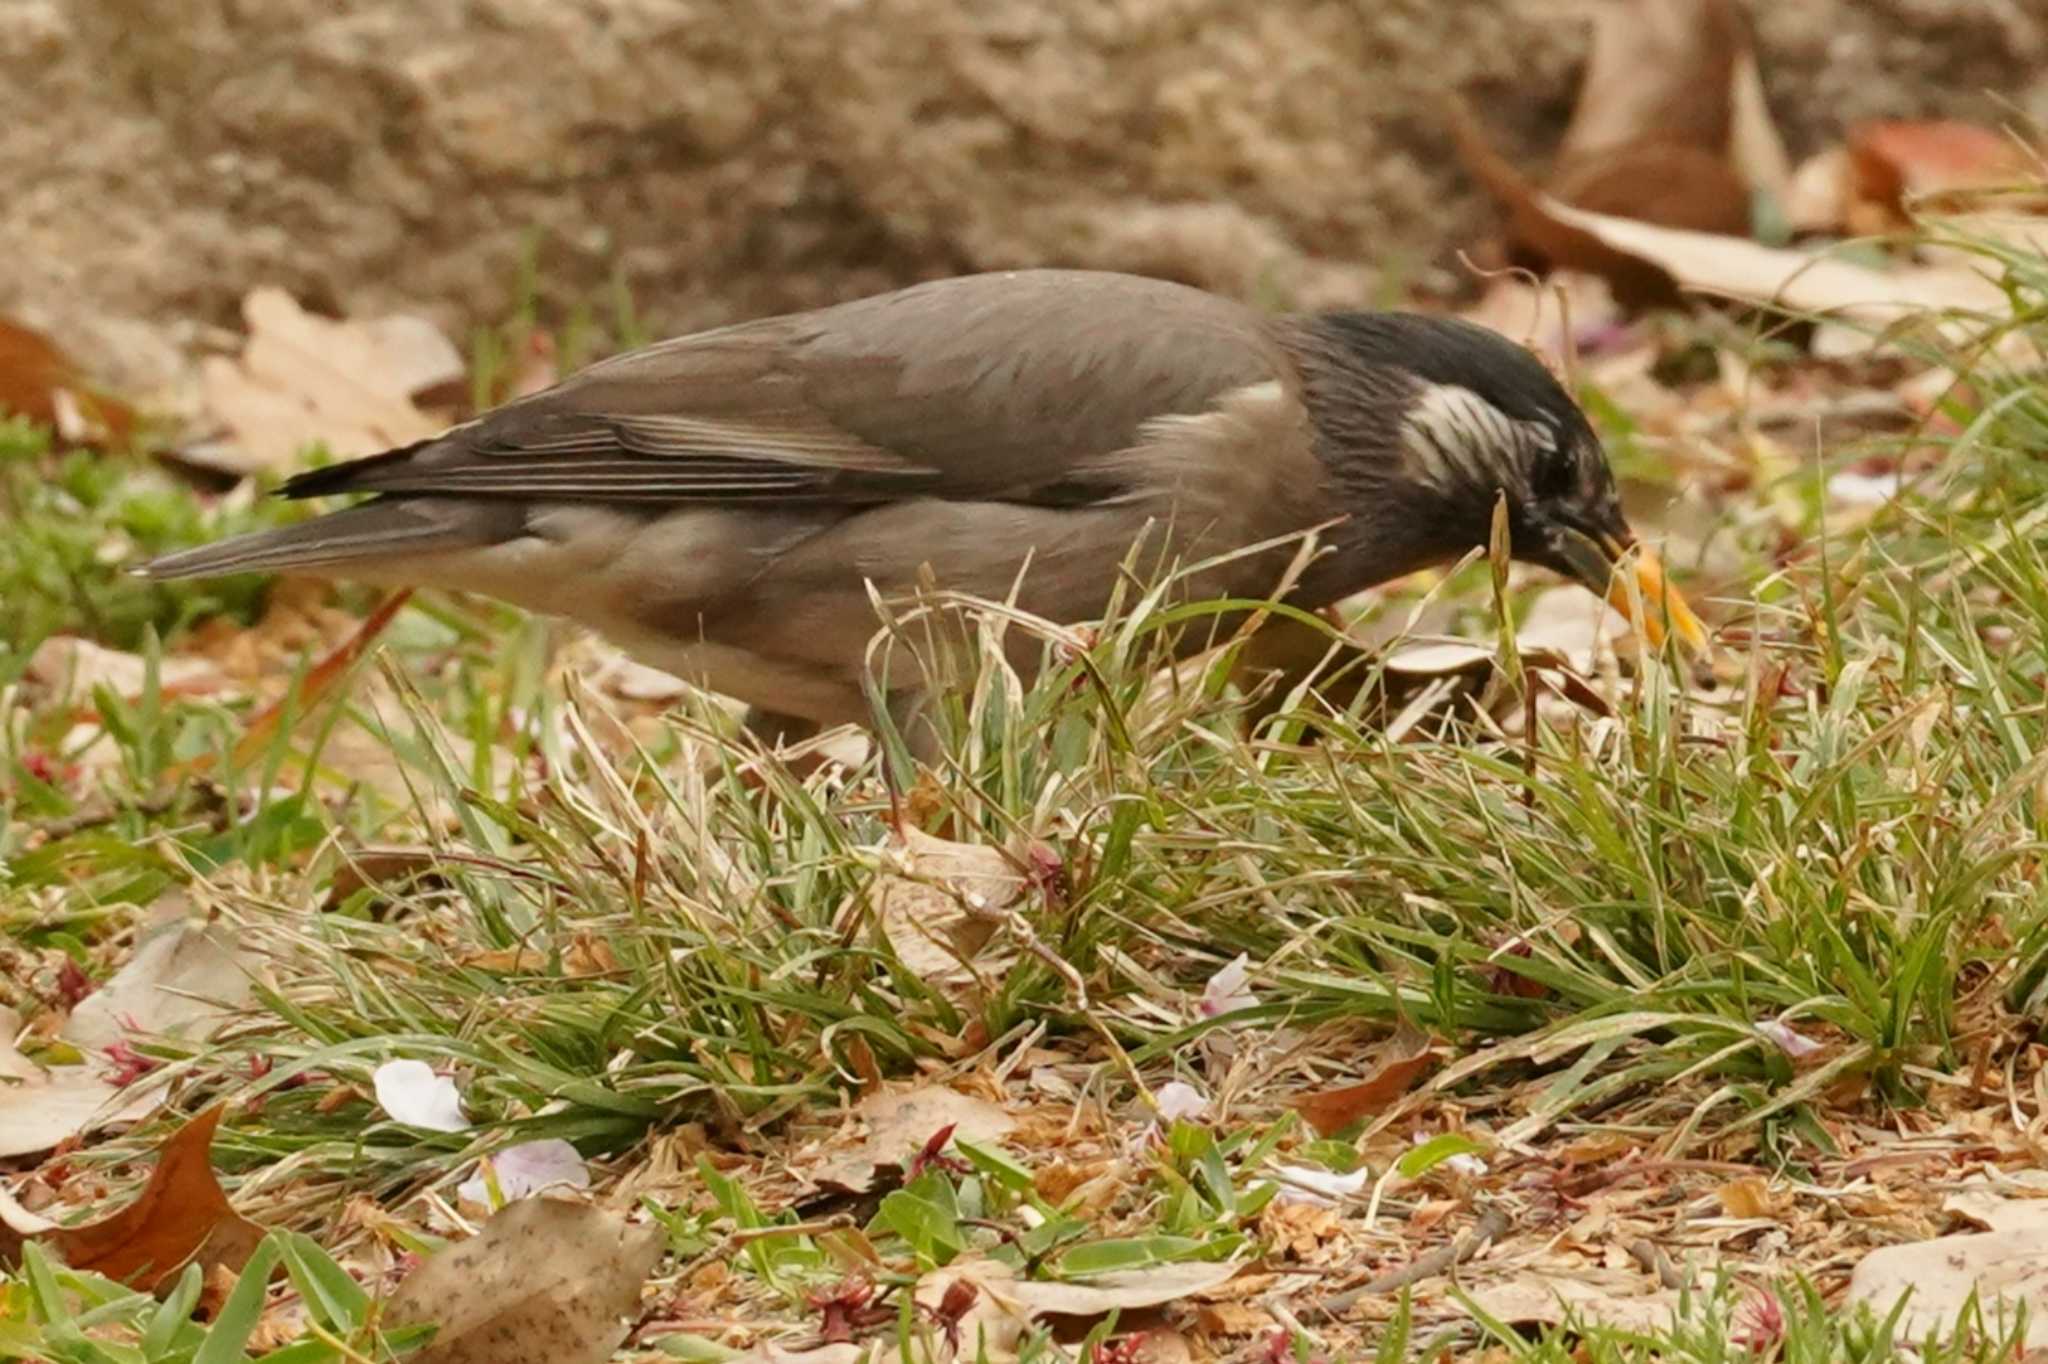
(1009, 387)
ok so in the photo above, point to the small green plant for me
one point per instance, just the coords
(51, 1313)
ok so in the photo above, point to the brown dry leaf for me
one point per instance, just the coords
(183, 978)
(380, 868)
(1748, 1197)
(1894, 161)
(1819, 198)
(584, 956)
(303, 378)
(1403, 1059)
(1670, 128)
(546, 1281)
(40, 1108)
(1233, 1319)
(899, 1122)
(1671, 80)
(71, 667)
(42, 383)
(1727, 267)
(2009, 1265)
(1545, 1300)
(938, 912)
(321, 679)
(181, 1218)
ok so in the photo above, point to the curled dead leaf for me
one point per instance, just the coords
(941, 909)
(181, 1217)
(1401, 1060)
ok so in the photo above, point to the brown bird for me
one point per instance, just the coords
(720, 504)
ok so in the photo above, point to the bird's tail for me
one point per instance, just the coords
(352, 538)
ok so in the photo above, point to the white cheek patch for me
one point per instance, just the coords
(1454, 439)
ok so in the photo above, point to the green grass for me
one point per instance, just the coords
(1844, 835)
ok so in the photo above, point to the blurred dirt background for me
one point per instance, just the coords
(730, 157)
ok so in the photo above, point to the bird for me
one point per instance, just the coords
(722, 505)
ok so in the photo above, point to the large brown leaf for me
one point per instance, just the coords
(545, 1282)
(182, 1217)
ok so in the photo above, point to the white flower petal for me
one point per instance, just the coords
(1852, 489)
(1317, 1187)
(1229, 989)
(410, 1092)
(1178, 1099)
(527, 1169)
(1793, 1044)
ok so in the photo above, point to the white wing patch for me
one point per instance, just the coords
(1455, 439)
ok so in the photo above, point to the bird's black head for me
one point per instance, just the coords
(1452, 416)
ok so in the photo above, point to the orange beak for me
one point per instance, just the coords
(1662, 609)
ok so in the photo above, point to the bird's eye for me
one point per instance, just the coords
(1554, 473)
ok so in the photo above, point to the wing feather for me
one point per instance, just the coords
(998, 387)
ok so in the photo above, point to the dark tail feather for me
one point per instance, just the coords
(396, 529)
(344, 477)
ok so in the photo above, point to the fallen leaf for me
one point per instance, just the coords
(1402, 1060)
(1671, 81)
(1233, 1319)
(1316, 1186)
(1229, 989)
(1671, 128)
(321, 679)
(1993, 1211)
(899, 1122)
(1543, 1300)
(1820, 195)
(180, 1218)
(545, 1282)
(1004, 1307)
(1748, 1197)
(382, 868)
(66, 666)
(2009, 1265)
(1748, 272)
(303, 379)
(40, 1108)
(1177, 1099)
(1439, 658)
(1894, 161)
(40, 382)
(938, 911)
(184, 978)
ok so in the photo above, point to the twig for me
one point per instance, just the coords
(748, 1235)
(1492, 1223)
